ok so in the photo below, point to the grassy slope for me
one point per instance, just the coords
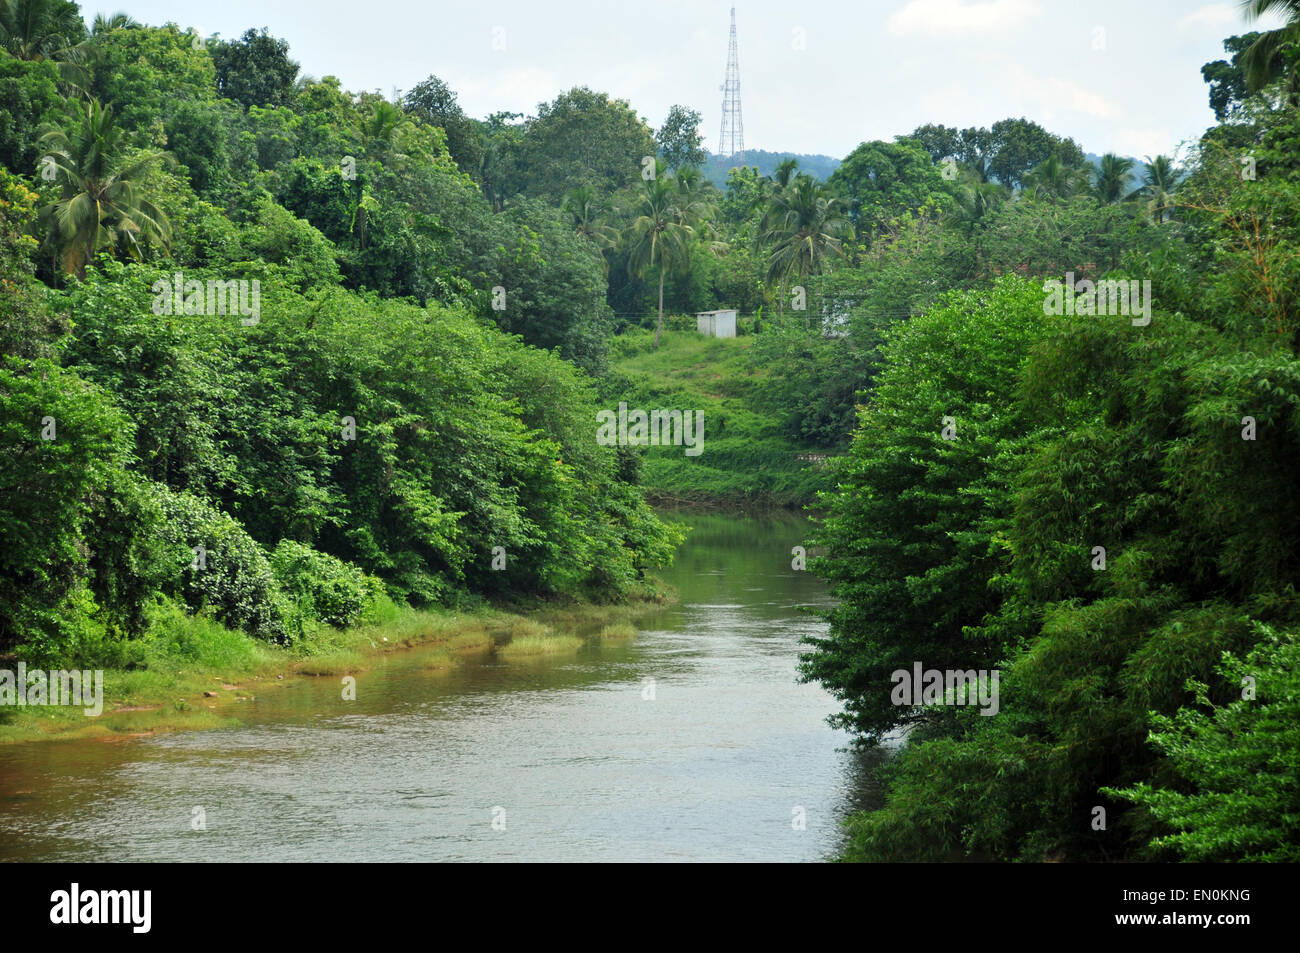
(745, 459)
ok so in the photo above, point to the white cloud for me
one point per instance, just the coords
(960, 16)
(1212, 17)
(1050, 94)
(1141, 143)
(517, 90)
(1074, 97)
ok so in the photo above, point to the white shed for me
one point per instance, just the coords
(717, 324)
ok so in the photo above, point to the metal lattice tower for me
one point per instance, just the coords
(731, 142)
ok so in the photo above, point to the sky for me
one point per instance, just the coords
(816, 77)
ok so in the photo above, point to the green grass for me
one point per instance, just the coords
(746, 460)
(623, 630)
(191, 672)
(517, 629)
(532, 646)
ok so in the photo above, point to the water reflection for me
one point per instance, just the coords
(569, 754)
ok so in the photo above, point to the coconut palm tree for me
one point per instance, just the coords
(1113, 178)
(804, 226)
(1263, 61)
(586, 211)
(1053, 179)
(100, 204)
(40, 29)
(659, 238)
(384, 132)
(773, 187)
(696, 203)
(106, 23)
(1158, 186)
(784, 172)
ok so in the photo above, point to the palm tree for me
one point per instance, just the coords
(659, 238)
(773, 187)
(384, 130)
(804, 225)
(115, 21)
(696, 204)
(1158, 186)
(100, 205)
(40, 29)
(1053, 179)
(784, 172)
(1262, 61)
(1113, 178)
(586, 211)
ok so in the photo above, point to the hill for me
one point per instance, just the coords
(818, 166)
(745, 459)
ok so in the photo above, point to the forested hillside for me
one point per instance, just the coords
(365, 409)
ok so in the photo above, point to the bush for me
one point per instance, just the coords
(62, 444)
(1238, 764)
(325, 588)
(231, 576)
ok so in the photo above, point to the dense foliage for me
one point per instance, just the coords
(269, 354)
(1099, 508)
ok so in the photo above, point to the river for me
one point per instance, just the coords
(692, 742)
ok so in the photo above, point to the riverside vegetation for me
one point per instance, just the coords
(445, 303)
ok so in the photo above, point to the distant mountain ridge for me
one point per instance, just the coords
(1138, 172)
(818, 166)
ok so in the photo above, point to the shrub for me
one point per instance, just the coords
(232, 576)
(324, 588)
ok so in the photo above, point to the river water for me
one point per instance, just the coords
(693, 741)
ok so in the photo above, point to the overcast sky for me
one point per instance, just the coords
(816, 76)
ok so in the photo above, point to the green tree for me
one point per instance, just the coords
(581, 138)
(587, 213)
(1113, 178)
(147, 73)
(680, 140)
(435, 102)
(1158, 185)
(1229, 89)
(1054, 179)
(99, 204)
(908, 549)
(41, 29)
(879, 181)
(62, 442)
(805, 225)
(658, 239)
(27, 328)
(255, 69)
(29, 98)
(1266, 59)
(1238, 763)
(1021, 145)
(940, 141)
